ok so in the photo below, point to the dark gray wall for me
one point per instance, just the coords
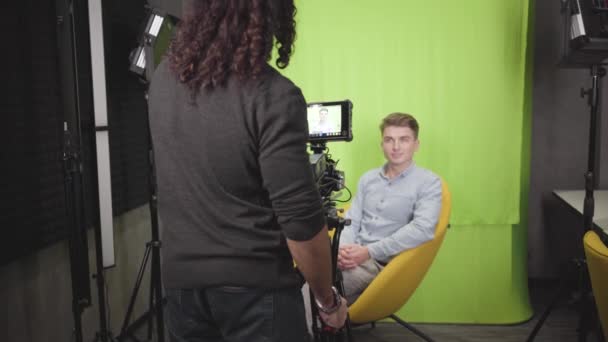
(36, 295)
(560, 132)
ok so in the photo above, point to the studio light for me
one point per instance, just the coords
(153, 42)
(585, 33)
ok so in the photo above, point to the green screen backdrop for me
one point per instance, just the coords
(462, 69)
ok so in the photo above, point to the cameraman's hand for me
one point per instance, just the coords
(351, 256)
(337, 318)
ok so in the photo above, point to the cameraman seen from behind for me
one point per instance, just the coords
(395, 209)
(237, 200)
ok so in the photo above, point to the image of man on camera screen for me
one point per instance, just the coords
(324, 120)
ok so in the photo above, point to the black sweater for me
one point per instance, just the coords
(234, 180)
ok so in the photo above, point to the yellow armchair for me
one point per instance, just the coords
(396, 283)
(597, 261)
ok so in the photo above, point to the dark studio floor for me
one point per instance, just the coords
(560, 326)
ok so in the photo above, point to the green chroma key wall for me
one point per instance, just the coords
(461, 68)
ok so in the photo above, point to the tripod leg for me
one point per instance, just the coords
(546, 313)
(349, 331)
(140, 276)
(586, 306)
(347, 326)
(151, 308)
(583, 322)
(595, 325)
(151, 301)
(157, 291)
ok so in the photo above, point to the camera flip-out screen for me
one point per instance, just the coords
(330, 121)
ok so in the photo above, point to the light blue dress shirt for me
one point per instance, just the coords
(392, 215)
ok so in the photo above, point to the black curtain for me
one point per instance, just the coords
(32, 199)
(33, 105)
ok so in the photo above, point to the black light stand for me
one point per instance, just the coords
(152, 248)
(156, 297)
(584, 46)
(594, 100)
(579, 265)
(74, 189)
(587, 304)
(77, 237)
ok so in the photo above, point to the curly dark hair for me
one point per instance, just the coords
(218, 38)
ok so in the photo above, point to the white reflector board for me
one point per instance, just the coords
(100, 105)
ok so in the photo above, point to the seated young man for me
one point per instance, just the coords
(396, 208)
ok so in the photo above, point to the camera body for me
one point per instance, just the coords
(329, 181)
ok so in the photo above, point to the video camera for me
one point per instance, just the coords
(328, 121)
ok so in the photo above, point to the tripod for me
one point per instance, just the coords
(585, 301)
(152, 248)
(156, 301)
(325, 333)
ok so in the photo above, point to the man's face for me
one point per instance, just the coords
(322, 115)
(399, 145)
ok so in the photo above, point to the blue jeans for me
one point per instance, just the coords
(234, 314)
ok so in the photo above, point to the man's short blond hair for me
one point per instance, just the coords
(400, 120)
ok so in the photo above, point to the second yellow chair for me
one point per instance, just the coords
(597, 261)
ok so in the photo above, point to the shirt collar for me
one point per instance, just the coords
(404, 173)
